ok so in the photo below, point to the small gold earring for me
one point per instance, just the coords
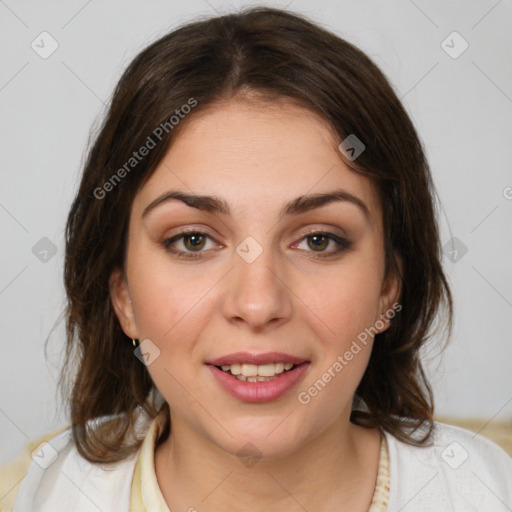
(134, 342)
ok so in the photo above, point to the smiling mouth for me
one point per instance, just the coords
(257, 373)
(258, 383)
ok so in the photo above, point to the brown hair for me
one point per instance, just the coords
(275, 54)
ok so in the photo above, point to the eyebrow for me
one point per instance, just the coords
(297, 206)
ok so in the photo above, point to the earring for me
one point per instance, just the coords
(134, 343)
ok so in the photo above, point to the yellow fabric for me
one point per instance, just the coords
(13, 473)
(381, 494)
(147, 496)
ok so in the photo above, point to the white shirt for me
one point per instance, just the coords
(460, 472)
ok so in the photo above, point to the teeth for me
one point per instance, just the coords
(258, 378)
(249, 370)
(279, 368)
(252, 370)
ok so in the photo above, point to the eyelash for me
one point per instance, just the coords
(343, 244)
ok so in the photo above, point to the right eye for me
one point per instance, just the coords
(192, 241)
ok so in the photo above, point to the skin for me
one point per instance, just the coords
(290, 299)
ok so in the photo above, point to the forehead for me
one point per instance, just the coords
(257, 154)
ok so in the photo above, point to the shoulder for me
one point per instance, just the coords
(459, 470)
(12, 473)
(57, 477)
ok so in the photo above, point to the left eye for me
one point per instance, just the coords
(194, 242)
(321, 240)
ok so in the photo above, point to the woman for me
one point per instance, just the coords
(252, 267)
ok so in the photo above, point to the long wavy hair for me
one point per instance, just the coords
(273, 55)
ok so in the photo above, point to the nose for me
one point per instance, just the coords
(257, 296)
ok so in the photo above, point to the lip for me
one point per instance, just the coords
(263, 358)
(258, 392)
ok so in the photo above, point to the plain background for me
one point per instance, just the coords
(461, 105)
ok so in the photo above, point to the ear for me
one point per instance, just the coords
(121, 301)
(390, 294)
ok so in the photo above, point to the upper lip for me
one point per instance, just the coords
(257, 359)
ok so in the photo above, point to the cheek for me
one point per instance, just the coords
(350, 303)
(346, 348)
(170, 311)
(165, 298)
(349, 307)
(167, 303)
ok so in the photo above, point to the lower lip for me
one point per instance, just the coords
(257, 392)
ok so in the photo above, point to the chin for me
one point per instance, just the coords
(266, 440)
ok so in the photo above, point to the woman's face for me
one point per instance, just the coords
(252, 283)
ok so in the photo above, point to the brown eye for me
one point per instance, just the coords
(194, 242)
(318, 241)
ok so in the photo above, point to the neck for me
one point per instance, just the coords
(336, 470)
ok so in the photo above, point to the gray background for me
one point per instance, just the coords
(461, 105)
